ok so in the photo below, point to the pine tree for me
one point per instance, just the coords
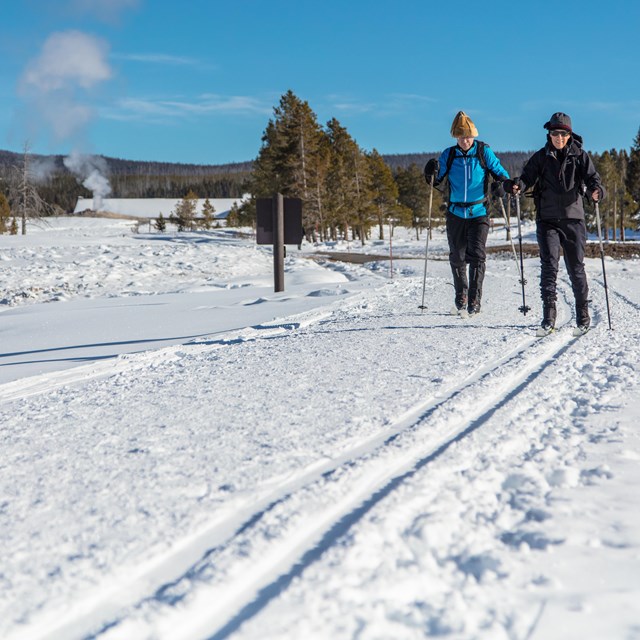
(242, 216)
(365, 209)
(413, 193)
(207, 214)
(384, 190)
(233, 219)
(349, 184)
(316, 206)
(160, 223)
(292, 160)
(5, 213)
(633, 172)
(621, 158)
(184, 214)
(609, 175)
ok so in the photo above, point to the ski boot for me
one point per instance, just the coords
(461, 286)
(548, 323)
(476, 277)
(583, 319)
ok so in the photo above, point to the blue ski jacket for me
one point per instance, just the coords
(468, 179)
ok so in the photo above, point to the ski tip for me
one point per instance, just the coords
(462, 313)
(580, 331)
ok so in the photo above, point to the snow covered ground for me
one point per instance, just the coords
(187, 454)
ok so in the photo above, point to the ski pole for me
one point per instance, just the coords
(604, 272)
(513, 246)
(524, 308)
(426, 249)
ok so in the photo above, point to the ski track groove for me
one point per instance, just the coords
(244, 600)
(287, 565)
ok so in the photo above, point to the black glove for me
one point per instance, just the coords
(431, 169)
(510, 185)
(497, 190)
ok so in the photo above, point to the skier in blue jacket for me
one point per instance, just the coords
(467, 166)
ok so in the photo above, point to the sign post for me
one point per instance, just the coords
(278, 242)
(279, 222)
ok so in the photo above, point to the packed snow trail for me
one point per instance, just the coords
(516, 367)
(524, 516)
(510, 368)
(378, 473)
(363, 469)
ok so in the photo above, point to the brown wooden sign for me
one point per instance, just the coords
(293, 232)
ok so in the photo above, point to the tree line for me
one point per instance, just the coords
(60, 188)
(347, 192)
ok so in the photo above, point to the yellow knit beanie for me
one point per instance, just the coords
(463, 126)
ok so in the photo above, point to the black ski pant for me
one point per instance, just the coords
(571, 236)
(467, 239)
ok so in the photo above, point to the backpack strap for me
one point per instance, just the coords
(535, 189)
(447, 167)
(480, 147)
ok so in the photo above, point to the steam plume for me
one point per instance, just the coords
(92, 171)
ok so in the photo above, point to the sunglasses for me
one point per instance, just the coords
(564, 134)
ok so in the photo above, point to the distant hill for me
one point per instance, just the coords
(128, 178)
(120, 167)
(513, 161)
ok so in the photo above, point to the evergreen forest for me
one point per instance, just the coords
(346, 191)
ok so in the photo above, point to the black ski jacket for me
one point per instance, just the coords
(560, 181)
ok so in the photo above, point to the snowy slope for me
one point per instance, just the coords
(325, 462)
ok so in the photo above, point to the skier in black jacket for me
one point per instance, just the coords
(561, 173)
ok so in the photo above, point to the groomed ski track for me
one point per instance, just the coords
(292, 555)
(348, 485)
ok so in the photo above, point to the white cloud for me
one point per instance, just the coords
(235, 104)
(166, 109)
(55, 84)
(68, 59)
(158, 58)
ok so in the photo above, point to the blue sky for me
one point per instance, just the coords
(197, 80)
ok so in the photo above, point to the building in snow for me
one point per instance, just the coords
(151, 208)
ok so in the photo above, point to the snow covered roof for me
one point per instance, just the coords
(153, 207)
